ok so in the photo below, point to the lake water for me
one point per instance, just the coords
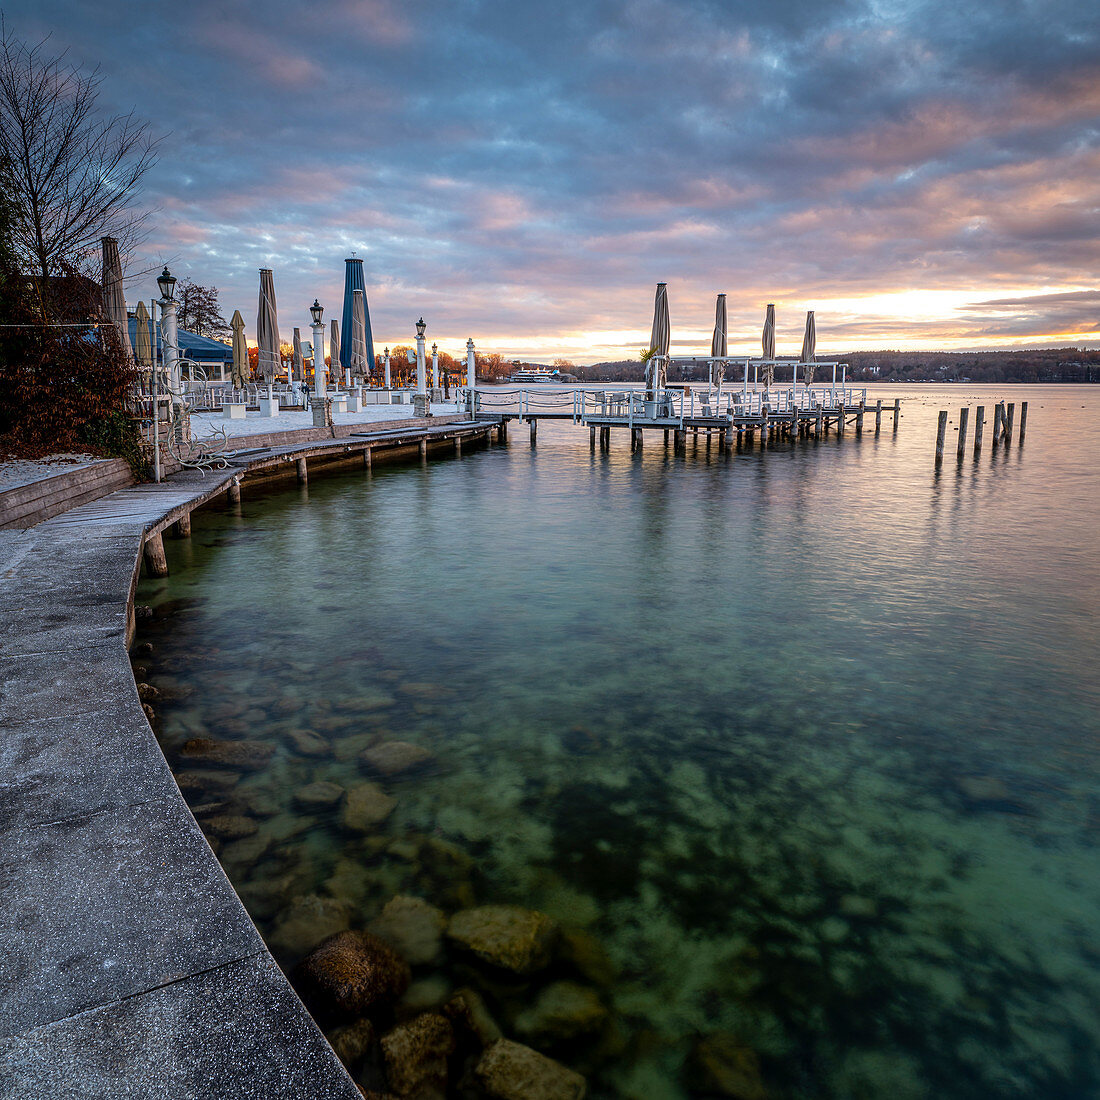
(798, 745)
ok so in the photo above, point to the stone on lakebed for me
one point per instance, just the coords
(511, 1071)
(226, 754)
(350, 974)
(562, 1011)
(319, 795)
(230, 826)
(367, 805)
(507, 936)
(413, 928)
(720, 1064)
(415, 1054)
(395, 757)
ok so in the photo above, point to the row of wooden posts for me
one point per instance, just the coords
(1003, 418)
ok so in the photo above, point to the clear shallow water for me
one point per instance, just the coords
(805, 740)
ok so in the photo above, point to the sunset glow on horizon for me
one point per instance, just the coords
(924, 176)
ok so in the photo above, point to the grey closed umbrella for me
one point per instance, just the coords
(767, 343)
(143, 342)
(809, 347)
(239, 374)
(334, 346)
(296, 362)
(267, 327)
(718, 342)
(114, 301)
(358, 334)
(660, 339)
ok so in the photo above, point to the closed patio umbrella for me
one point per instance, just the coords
(809, 347)
(353, 281)
(767, 343)
(296, 360)
(358, 359)
(267, 328)
(718, 342)
(660, 338)
(114, 301)
(143, 342)
(239, 374)
(334, 347)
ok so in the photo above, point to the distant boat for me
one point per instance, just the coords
(534, 374)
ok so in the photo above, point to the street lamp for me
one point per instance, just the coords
(471, 375)
(169, 333)
(435, 365)
(316, 311)
(421, 386)
(386, 363)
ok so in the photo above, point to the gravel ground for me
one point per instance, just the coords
(18, 471)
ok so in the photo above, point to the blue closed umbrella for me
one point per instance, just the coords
(353, 281)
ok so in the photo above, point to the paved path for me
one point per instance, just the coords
(128, 966)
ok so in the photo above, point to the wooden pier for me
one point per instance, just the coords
(783, 415)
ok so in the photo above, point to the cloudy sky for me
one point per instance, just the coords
(923, 174)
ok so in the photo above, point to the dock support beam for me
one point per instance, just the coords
(878, 416)
(367, 460)
(591, 437)
(679, 440)
(183, 526)
(233, 493)
(997, 413)
(979, 430)
(534, 430)
(423, 448)
(964, 417)
(859, 419)
(897, 411)
(156, 565)
(303, 473)
(1023, 421)
(458, 446)
(1008, 422)
(635, 439)
(941, 433)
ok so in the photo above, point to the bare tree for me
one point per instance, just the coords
(199, 310)
(74, 171)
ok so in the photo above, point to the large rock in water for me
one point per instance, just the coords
(395, 757)
(367, 806)
(413, 928)
(563, 1010)
(511, 1071)
(520, 940)
(720, 1064)
(416, 1056)
(306, 921)
(350, 974)
(319, 795)
(226, 754)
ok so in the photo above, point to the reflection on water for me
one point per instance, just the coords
(799, 747)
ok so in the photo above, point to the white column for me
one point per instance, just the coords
(471, 377)
(319, 360)
(170, 340)
(386, 361)
(421, 384)
(435, 365)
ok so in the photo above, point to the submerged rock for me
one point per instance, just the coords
(246, 851)
(307, 921)
(468, 1012)
(416, 1056)
(984, 790)
(309, 744)
(511, 1071)
(520, 940)
(413, 928)
(562, 1011)
(226, 754)
(395, 757)
(352, 1042)
(230, 826)
(367, 805)
(352, 973)
(206, 783)
(721, 1064)
(319, 795)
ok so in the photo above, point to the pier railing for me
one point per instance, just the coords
(673, 405)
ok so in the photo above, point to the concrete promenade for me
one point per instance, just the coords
(128, 966)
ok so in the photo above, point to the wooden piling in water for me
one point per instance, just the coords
(1023, 421)
(423, 448)
(534, 430)
(183, 526)
(1008, 422)
(897, 411)
(156, 564)
(979, 430)
(859, 419)
(303, 472)
(592, 437)
(964, 417)
(996, 424)
(878, 415)
(367, 460)
(233, 491)
(818, 415)
(941, 433)
(458, 446)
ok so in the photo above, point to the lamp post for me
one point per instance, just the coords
(435, 366)
(421, 387)
(169, 333)
(316, 311)
(386, 365)
(471, 378)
